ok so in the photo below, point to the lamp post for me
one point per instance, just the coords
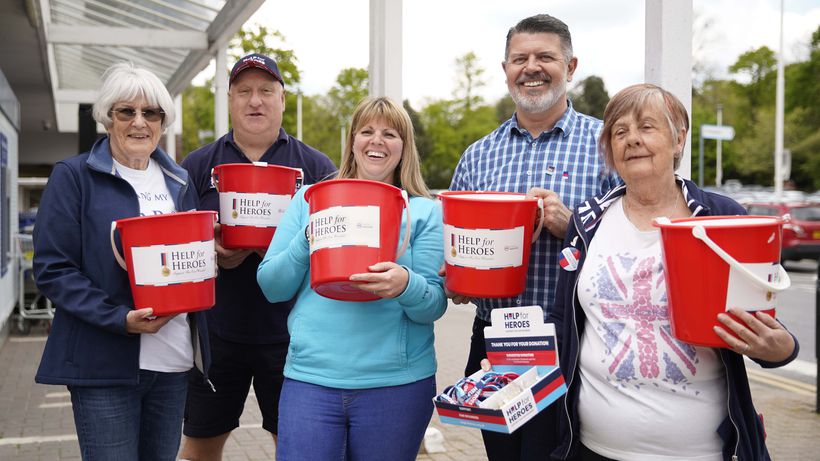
(778, 118)
(719, 167)
(299, 114)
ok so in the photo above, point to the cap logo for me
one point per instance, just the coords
(254, 59)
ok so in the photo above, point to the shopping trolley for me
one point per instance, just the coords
(32, 306)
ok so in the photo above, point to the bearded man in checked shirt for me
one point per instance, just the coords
(547, 150)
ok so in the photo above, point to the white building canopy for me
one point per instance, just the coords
(173, 38)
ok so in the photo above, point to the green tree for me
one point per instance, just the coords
(259, 39)
(802, 96)
(755, 64)
(806, 162)
(320, 126)
(451, 129)
(704, 112)
(758, 66)
(469, 81)
(590, 96)
(504, 108)
(452, 125)
(349, 90)
(198, 122)
(325, 118)
(749, 106)
(440, 121)
(803, 83)
(423, 142)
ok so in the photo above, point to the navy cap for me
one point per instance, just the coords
(259, 61)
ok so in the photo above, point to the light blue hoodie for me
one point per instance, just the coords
(358, 345)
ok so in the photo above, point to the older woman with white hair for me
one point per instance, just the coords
(126, 369)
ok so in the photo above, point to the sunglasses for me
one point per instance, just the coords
(126, 114)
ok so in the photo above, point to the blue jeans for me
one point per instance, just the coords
(130, 423)
(319, 423)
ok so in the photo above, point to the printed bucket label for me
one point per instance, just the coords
(256, 209)
(341, 226)
(741, 292)
(484, 248)
(161, 265)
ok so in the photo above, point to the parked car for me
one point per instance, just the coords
(801, 227)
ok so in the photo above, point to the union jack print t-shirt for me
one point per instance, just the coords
(644, 395)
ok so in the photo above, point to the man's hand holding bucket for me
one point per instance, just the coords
(227, 258)
(556, 214)
(457, 298)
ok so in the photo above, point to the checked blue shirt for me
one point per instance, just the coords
(564, 160)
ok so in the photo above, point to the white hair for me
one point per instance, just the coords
(125, 82)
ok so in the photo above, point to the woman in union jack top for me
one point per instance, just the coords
(634, 390)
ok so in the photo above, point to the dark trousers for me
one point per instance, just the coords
(589, 455)
(533, 441)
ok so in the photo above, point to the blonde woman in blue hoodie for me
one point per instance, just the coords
(360, 376)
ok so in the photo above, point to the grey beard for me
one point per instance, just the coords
(538, 104)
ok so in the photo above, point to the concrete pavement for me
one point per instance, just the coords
(36, 422)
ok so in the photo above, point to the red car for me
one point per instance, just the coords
(801, 229)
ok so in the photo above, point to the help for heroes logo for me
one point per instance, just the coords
(340, 226)
(467, 245)
(160, 265)
(324, 225)
(251, 207)
(484, 248)
(182, 261)
(514, 320)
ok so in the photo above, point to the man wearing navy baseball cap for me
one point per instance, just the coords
(249, 337)
(259, 61)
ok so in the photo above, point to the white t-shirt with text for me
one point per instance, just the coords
(169, 350)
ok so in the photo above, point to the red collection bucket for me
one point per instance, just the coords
(487, 240)
(252, 199)
(714, 263)
(354, 223)
(170, 259)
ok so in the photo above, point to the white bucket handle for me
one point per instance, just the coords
(214, 180)
(406, 240)
(114, 249)
(300, 178)
(699, 232)
(537, 232)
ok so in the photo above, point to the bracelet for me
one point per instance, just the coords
(469, 391)
(307, 233)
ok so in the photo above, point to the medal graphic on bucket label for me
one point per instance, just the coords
(484, 248)
(256, 210)
(741, 292)
(164, 261)
(341, 226)
(160, 265)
